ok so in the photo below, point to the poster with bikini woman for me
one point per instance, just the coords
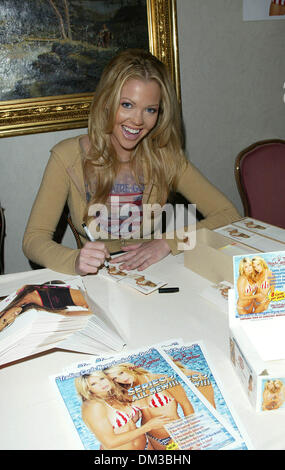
(259, 281)
(193, 361)
(126, 403)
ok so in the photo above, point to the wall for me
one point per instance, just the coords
(232, 76)
(23, 160)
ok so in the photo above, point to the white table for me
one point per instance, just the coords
(31, 417)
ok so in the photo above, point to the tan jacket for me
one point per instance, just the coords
(63, 182)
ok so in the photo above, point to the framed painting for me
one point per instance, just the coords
(53, 55)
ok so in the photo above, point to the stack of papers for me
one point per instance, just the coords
(36, 318)
(255, 234)
(115, 402)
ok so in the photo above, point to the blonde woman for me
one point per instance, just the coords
(110, 414)
(246, 287)
(160, 404)
(132, 156)
(264, 280)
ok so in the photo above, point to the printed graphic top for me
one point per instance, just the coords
(124, 211)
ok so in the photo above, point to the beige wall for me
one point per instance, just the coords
(232, 76)
(23, 160)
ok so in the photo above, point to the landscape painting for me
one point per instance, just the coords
(59, 47)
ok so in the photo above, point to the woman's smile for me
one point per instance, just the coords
(131, 133)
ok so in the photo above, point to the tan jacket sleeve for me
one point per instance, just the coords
(216, 209)
(38, 244)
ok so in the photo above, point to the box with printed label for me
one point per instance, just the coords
(257, 325)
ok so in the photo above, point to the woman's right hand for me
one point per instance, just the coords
(90, 258)
(156, 423)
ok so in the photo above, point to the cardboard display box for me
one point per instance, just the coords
(257, 346)
(213, 254)
(263, 379)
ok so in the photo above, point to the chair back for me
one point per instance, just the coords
(2, 236)
(75, 233)
(260, 177)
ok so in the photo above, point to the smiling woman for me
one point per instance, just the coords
(157, 396)
(131, 159)
(110, 414)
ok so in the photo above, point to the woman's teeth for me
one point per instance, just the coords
(130, 130)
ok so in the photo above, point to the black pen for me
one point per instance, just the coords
(166, 290)
(91, 239)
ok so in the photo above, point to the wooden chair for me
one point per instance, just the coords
(260, 178)
(75, 233)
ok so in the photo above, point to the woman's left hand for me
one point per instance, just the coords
(141, 255)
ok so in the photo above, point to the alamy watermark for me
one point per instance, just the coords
(149, 221)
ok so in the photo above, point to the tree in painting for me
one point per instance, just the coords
(60, 47)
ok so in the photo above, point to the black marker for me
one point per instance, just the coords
(166, 290)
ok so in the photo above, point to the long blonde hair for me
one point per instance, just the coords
(115, 394)
(130, 369)
(261, 261)
(242, 263)
(160, 151)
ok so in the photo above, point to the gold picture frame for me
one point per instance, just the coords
(55, 113)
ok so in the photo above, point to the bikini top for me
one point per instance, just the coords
(159, 399)
(55, 297)
(121, 418)
(250, 288)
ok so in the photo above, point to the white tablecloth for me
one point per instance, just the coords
(32, 418)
